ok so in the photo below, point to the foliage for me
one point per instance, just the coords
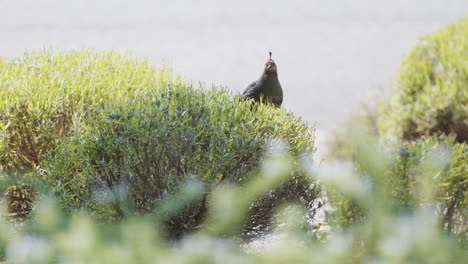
(149, 145)
(430, 95)
(429, 99)
(45, 96)
(445, 162)
(129, 128)
(437, 161)
(124, 139)
(385, 236)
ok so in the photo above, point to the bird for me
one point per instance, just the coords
(267, 89)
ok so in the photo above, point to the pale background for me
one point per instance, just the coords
(332, 55)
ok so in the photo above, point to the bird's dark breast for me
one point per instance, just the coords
(271, 91)
(267, 89)
(272, 87)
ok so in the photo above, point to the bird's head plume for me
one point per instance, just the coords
(270, 66)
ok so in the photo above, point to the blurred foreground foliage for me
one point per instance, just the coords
(412, 234)
(438, 161)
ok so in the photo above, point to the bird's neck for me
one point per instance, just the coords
(266, 75)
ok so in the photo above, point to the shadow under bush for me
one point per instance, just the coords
(148, 147)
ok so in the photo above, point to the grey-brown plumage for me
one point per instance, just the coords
(267, 86)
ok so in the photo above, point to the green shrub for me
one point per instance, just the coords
(126, 124)
(438, 160)
(430, 95)
(153, 144)
(430, 98)
(45, 96)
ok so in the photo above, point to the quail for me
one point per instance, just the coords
(267, 86)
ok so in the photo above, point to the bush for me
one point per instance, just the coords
(429, 99)
(430, 95)
(437, 161)
(148, 147)
(45, 96)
